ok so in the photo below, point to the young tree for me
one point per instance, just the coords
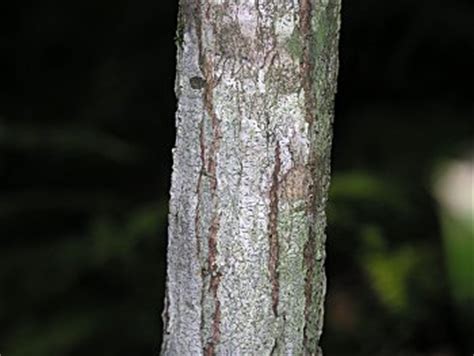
(256, 81)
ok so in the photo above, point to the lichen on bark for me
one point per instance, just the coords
(255, 85)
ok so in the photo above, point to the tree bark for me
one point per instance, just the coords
(255, 83)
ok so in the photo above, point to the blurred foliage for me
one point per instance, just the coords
(69, 292)
(66, 141)
(86, 131)
(456, 206)
(459, 246)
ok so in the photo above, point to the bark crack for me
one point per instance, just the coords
(209, 349)
(202, 146)
(307, 67)
(215, 276)
(273, 232)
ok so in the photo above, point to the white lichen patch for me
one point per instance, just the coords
(246, 14)
(285, 25)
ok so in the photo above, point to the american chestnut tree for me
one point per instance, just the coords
(256, 81)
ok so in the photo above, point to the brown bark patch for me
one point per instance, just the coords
(295, 183)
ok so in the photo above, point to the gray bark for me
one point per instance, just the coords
(256, 81)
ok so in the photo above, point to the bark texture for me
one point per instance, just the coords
(256, 81)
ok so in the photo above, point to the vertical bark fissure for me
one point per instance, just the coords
(202, 147)
(209, 349)
(215, 274)
(310, 104)
(273, 231)
(209, 170)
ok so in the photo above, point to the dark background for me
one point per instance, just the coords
(86, 131)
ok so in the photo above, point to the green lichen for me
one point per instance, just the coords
(325, 26)
(294, 44)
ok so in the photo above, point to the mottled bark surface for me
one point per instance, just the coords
(256, 81)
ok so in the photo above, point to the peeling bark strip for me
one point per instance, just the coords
(255, 83)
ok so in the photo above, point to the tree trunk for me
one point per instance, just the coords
(256, 81)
